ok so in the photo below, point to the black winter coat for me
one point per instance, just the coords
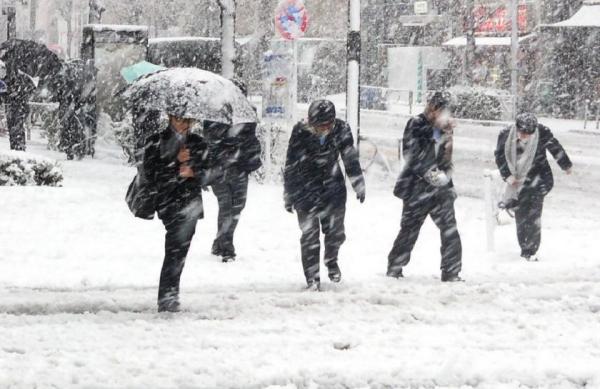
(420, 156)
(161, 171)
(539, 179)
(239, 152)
(312, 175)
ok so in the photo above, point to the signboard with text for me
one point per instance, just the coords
(496, 20)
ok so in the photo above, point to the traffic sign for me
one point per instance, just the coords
(291, 19)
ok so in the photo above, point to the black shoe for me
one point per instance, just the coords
(168, 304)
(451, 278)
(313, 285)
(334, 272)
(228, 258)
(216, 248)
(395, 273)
(531, 258)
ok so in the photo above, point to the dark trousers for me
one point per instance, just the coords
(441, 209)
(331, 222)
(231, 195)
(528, 216)
(16, 115)
(181, 227)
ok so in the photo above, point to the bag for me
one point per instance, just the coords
(140, 198)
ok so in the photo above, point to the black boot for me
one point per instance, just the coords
(334, 272)
(313, 285)
(449, 277)
(395, 273)
(216, 248)
(169, 302)
(227, 252)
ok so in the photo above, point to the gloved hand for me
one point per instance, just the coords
(361, 196)
(512, 181)
(436, 177)
(289, 208)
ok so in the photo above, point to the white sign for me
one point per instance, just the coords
(421, 7)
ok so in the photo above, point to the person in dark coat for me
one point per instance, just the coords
(71, 135)
(176, 165)
(239, 149)
(521, 159)
(20, 89)
(426, 188)
(314, 186)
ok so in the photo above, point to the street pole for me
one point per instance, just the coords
(514, 52)
(11, 21)
(353, 70)
(227, 38)
(470, 44)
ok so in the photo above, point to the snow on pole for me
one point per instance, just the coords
(514, 52)
(490, 221)
(353, 70)
(227, 38)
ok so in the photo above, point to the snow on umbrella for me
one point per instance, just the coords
(29, 57)
(135, 71)
(192, 93)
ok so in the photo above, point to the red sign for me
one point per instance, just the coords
(291, 19)
(497, 20)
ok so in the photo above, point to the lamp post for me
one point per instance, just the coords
(514, 53)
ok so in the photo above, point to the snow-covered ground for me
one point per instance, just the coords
(78, 280)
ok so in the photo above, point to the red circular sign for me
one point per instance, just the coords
(291, 19)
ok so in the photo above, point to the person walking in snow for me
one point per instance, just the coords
(241, 148)
(521, 158)
(314, 186)
(176, 166)
(426, 188)
(20, 89)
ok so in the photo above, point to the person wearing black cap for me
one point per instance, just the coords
(314, 186)
(426, 188)
(521, 159)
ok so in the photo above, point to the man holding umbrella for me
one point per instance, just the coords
(174, 166)
(177, 163)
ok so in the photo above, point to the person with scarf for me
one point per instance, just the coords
(521, 158)
(314, 186)
(425, 186)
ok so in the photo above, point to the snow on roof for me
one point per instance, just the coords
(241, 41)
(587, 16)
(182, 39)
(116, 27)
(484, 41)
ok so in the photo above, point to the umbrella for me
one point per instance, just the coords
(29, 57)
(133, 72)
(192, 93)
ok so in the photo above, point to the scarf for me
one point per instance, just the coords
(519, 165)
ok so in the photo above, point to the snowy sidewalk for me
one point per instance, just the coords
(78, 278)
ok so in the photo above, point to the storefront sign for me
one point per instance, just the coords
(497, 20)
